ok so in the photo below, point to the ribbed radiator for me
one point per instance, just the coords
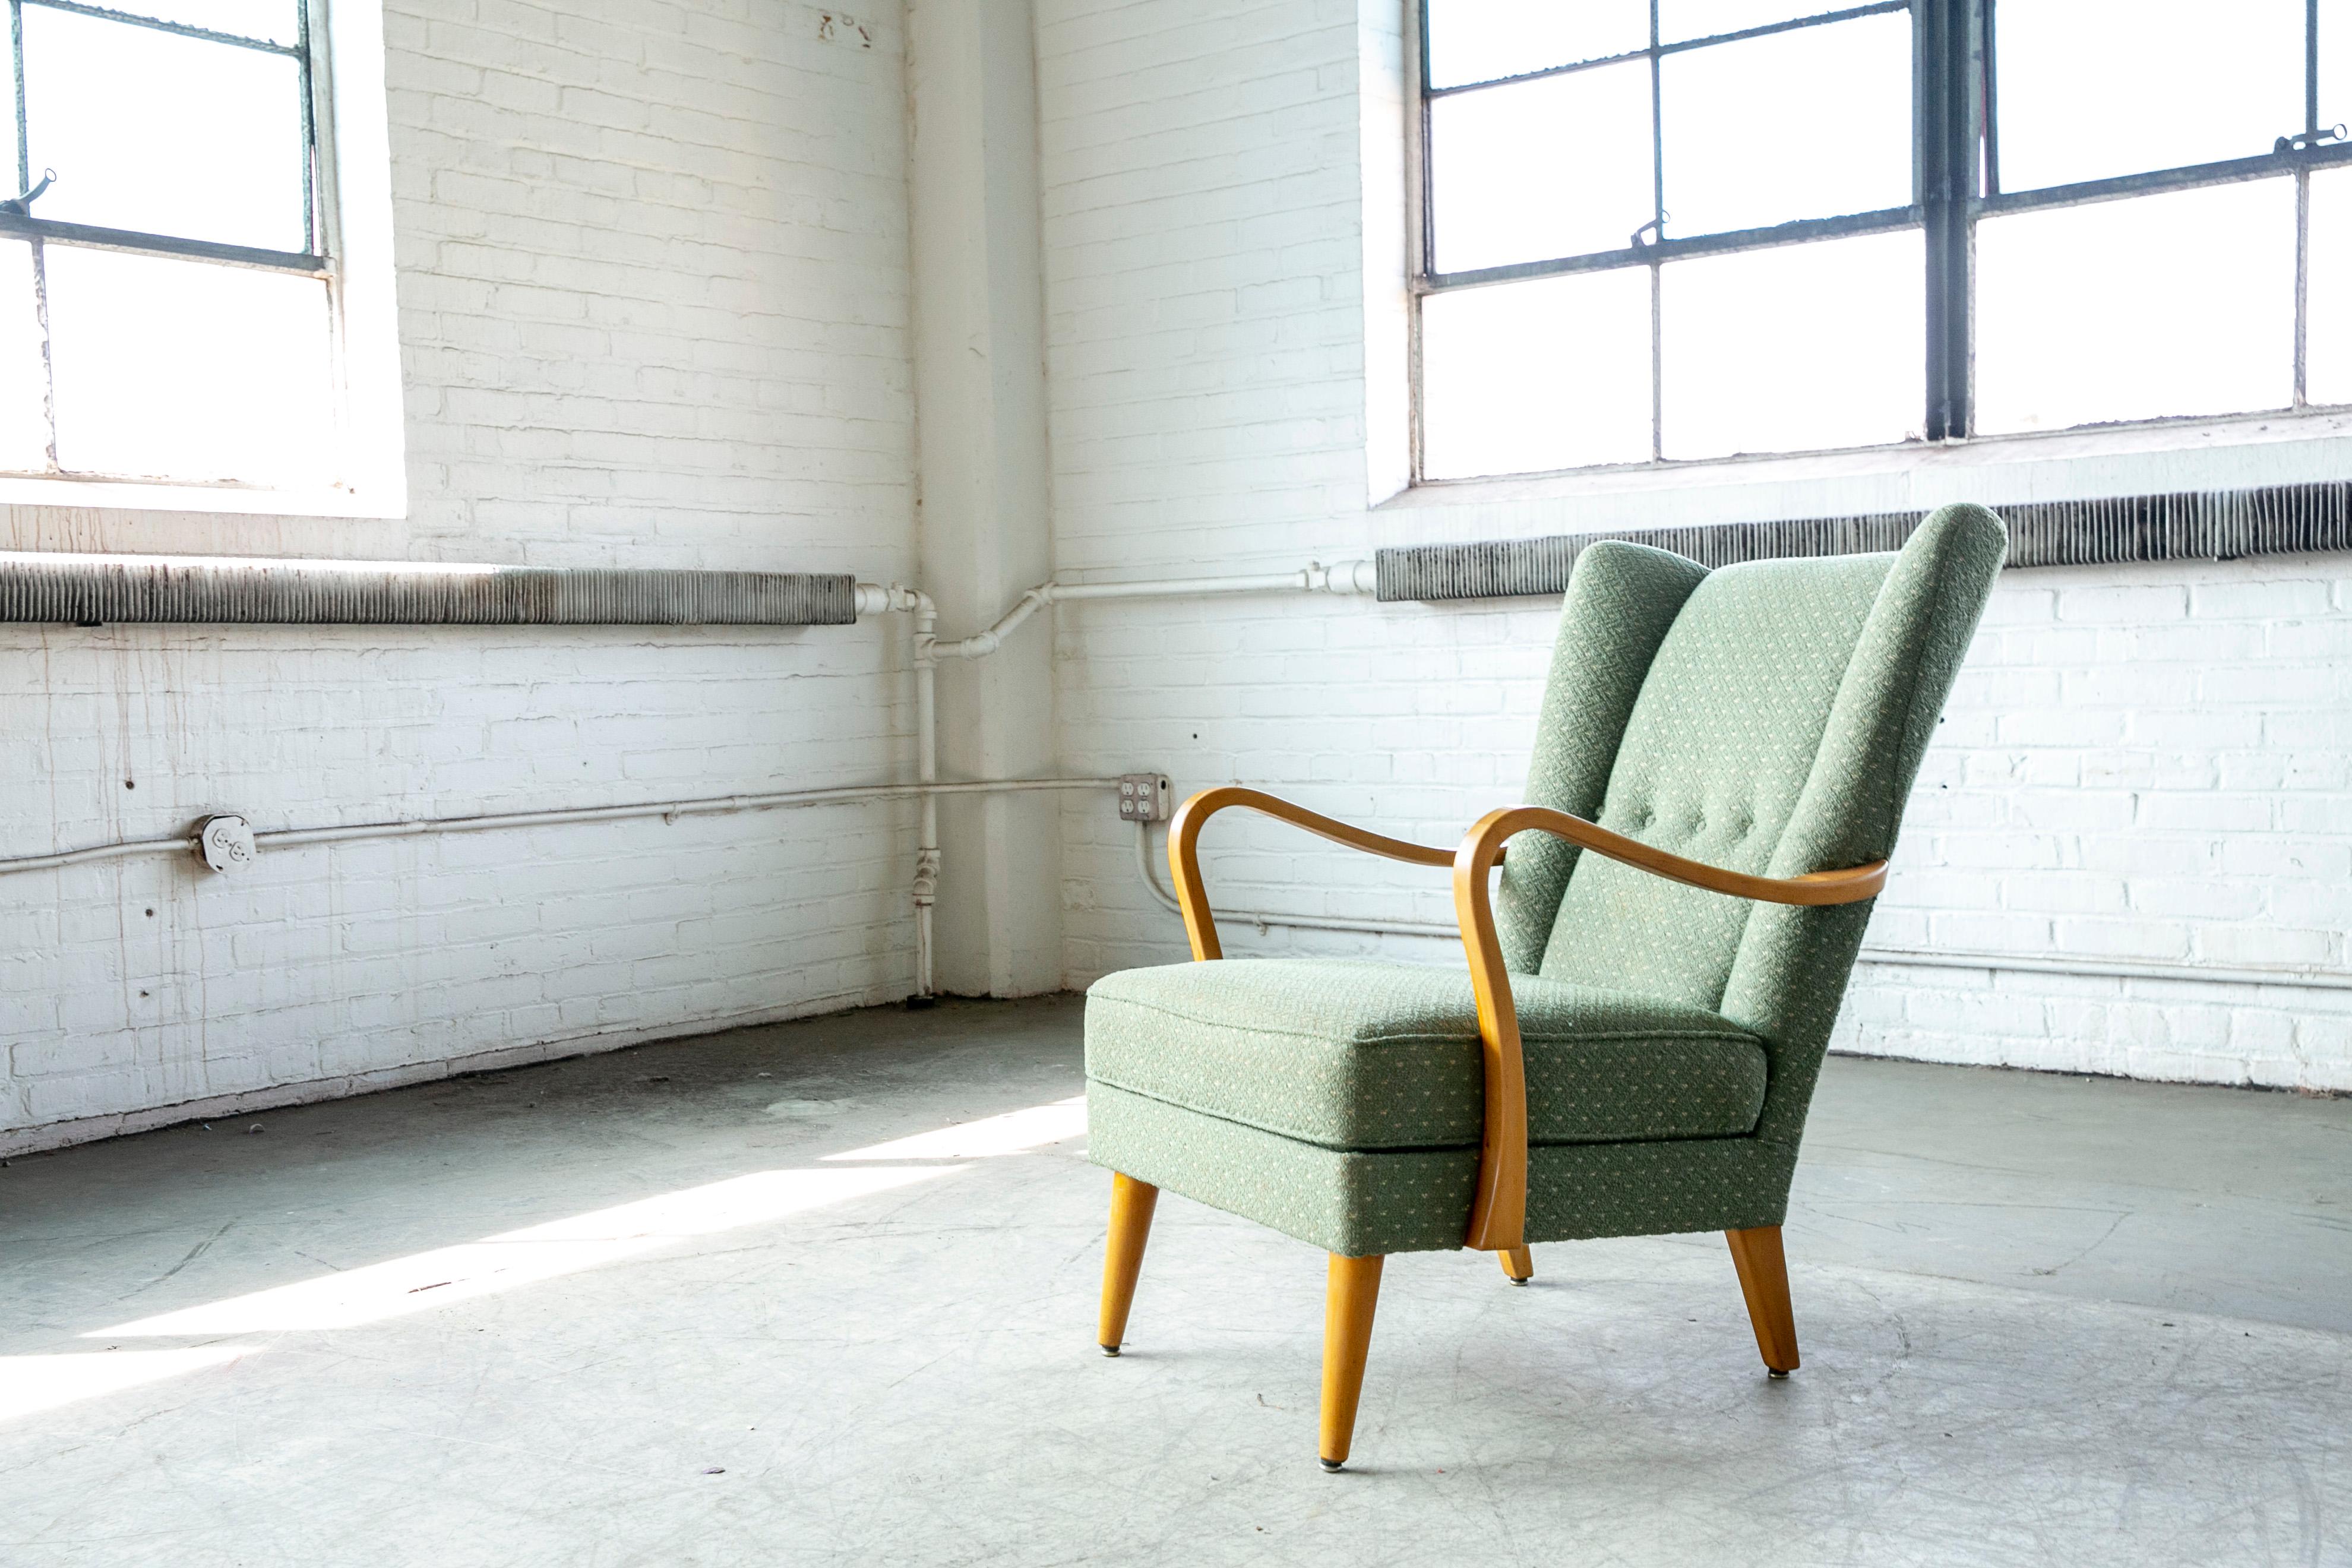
(2204, 525)
(88, 590)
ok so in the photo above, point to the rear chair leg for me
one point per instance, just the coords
(1764, 1280)
(1350, 1298)
(1518, 1265)
(1131, 1203)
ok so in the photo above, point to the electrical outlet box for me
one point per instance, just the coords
(225, 843)
(1145, 797)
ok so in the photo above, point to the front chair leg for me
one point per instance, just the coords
(1518, 1265)
(1764, 1280)
(1350, 1298)
(1131, 1203)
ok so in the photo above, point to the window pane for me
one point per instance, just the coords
(1794, 349)
(2174, 304)
(274, 20)
(8, 147)
(156, 131)
(188, 371)
(1478, 40)
(2327, 330)
(2093, 88)
(24, 386)
(1523, 377)
(1811, 124)
(2336, 62)
(1556, 167)
(1681, 19)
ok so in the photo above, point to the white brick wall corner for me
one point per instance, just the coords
(653, 283)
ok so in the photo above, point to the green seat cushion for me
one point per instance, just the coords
(1368, 1057)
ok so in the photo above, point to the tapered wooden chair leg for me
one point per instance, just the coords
(1518, 1265)
(1350, 1298)
(1764, 1280)
(1131, 1203)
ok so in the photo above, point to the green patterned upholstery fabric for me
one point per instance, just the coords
(1768, 718)
(1621, 601)
(1361, 1056)
(1357, 1204)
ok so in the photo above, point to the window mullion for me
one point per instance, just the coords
(2302, 203)
(1657, 270)
(1947, 164)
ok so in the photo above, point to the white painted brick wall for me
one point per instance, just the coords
(2146, 762)
(653, 281)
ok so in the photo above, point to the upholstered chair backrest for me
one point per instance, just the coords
(1768, 718)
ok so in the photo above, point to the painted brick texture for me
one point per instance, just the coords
(652, 263)
(2140, 763)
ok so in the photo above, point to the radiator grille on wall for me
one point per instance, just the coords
(2207, 525)
(95, 589)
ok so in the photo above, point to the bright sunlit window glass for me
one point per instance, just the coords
(2335, 63)
(2327, 330)
(1679, 20)
(1792, 349)
(24, 385)
(2174, 304)
(164, 133)
(167, 248)
(2090, 88)
(2105, 231)
(1811, 122)
(1551, 167)
(1522, 377)
(1478, 40)
(172, 369)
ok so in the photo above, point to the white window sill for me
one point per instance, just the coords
(387, 498)
(2250, 452)
(2167, 456)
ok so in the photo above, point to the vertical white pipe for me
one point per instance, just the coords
(927, 771)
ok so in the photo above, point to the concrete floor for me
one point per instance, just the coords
(2043, 1320)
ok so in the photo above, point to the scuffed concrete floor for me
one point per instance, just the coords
(2043, 1320)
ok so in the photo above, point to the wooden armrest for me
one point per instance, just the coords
(1184, 857)
(1498, 1212)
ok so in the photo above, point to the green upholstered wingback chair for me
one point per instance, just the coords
(1720, 766)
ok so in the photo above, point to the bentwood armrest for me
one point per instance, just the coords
(1184, 857)
(1498, 1212)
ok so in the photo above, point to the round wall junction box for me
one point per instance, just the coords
(226, 842)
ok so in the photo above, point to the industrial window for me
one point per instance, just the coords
(167, 274)
(1669, 230)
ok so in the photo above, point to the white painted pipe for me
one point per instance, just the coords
(415, 827)
(874, 599)
(1345, 577)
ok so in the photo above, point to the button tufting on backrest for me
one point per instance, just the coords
(1718, 746)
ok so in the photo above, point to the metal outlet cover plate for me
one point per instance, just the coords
(1145, 797)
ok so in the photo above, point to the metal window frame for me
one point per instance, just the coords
(315, 260)
(319, 230)
(1957, 181)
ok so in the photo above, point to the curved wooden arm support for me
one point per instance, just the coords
(1184, 857)
(1498, 1212)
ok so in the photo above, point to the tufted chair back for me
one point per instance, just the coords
(1768, 718)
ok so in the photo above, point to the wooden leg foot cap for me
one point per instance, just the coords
(1774, 1373)
(1332, 1466)
(1113, 1350)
